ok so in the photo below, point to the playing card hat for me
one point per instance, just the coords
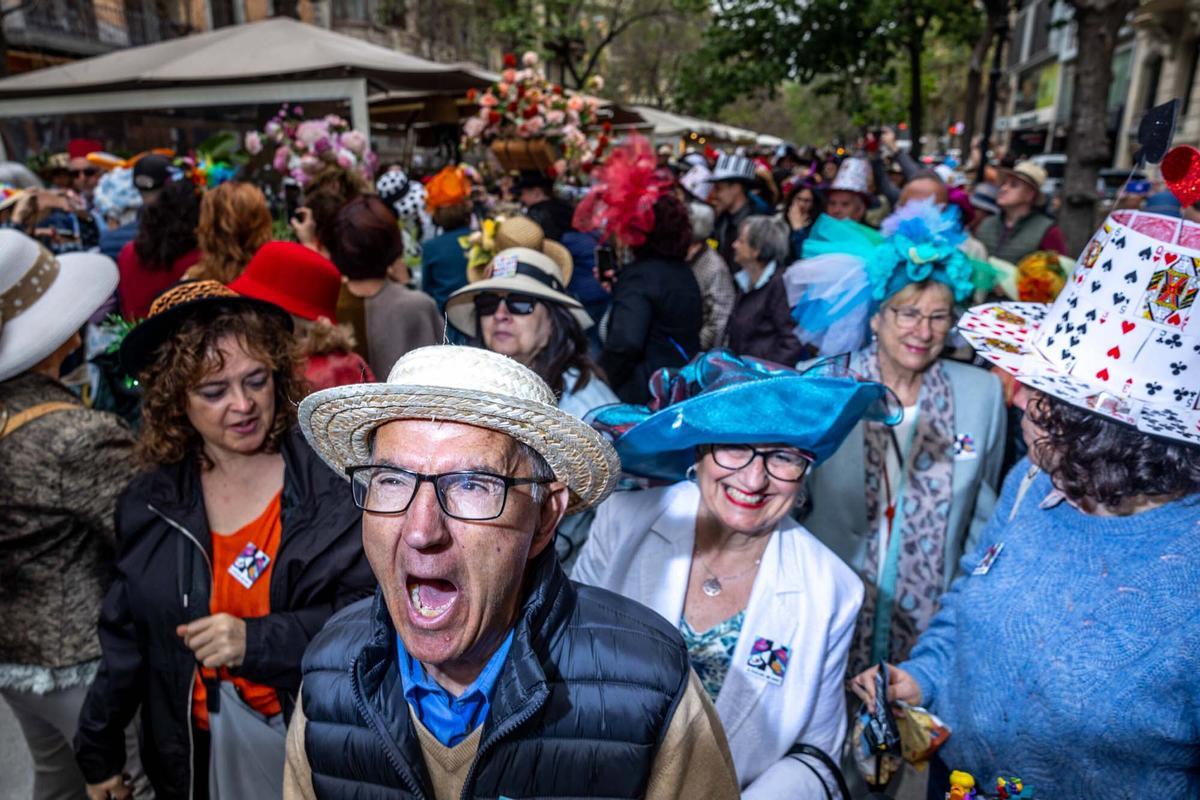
(854, 175)
(520, 270)
(1123, 337)
(45, 299)
(472, 386)
(732, 168)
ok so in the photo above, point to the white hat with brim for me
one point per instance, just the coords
(45, 299)
(521, 270)
(1121, 339)
(471, 386)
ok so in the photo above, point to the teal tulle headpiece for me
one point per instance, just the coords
(920, 244)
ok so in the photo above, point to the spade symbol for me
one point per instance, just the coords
(1106, 266)
(1145, 254)
(1120, 243)
(1095, 286)
(1131, 277)
(1074, 341)
(1070, 327)
(1074, 301)
(1091, 315)
(1083, 329)
(1065, 354)
(1119, 298)
(1059, 326)
(1050, 341)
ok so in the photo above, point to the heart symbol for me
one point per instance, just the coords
(1103, 374)
(1114, 352)
(1181, 170)
(1127, 326)
(1174, 319)
(1170, 258)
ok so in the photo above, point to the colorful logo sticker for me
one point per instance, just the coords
(504, 265)
(249, 566)
(964, 447)
(767, 660)
(989, 558)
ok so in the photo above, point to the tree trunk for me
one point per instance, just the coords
(974, 90)
(1097, 23)
(916, 110)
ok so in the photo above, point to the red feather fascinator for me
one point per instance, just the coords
(621, 203)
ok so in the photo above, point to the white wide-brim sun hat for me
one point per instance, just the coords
(44, 299)
(472, 386)
(520, 270)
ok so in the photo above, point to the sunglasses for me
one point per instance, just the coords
(519, 305)
(89, 171)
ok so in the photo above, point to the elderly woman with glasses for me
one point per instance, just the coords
(766, 610)
(900, 504)
(521, 310)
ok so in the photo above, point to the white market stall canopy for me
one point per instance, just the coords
(271, 61)
(668, 125)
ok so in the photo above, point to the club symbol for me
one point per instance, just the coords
(1171, 341)
(1153, 388)
(1177, 367)
(1182, 394)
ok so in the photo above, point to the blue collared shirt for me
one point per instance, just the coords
(451, 719)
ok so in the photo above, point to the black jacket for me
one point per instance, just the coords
(554, 217)
(163, 580)
(657, 312)
(579, 709)
(761, 325)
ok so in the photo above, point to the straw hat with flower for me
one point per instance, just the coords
(471, 386)
(507, 232)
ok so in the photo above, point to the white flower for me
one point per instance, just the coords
(254, 143)
(530, 59)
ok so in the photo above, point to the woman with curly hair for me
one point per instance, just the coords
(1067, 649)
(234, 223)
(237, 543)
(163, 249)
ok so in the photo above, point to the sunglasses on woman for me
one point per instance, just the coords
(519, 305)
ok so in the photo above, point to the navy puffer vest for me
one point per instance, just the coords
(579, 710)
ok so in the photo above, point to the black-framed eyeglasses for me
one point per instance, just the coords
(88, 171)
(517, 304)
(784, 465)
(469, 495)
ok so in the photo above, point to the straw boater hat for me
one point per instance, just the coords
(1122, 339)
(472, 386)
(44, 299)
(517, 269)
(523, 232)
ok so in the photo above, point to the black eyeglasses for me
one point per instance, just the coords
(470, 496)
(783, 465)
(519, 305)
(88, 171)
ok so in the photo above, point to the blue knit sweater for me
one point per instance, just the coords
(1074, 663)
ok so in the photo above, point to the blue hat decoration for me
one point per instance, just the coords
(723, 398)
(920, 244)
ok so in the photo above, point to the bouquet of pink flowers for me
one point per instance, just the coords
(304, 147)
(523, 104)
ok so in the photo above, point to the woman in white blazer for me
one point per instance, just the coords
(766, 610)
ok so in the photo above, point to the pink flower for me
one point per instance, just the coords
(297, 111)
(280, 162)
(310, 164)
(488, 100)
(474, 127)
(254, 144)
(560, 166)
(508, 76)
(346, 159)
(555, 118)
(530, 59)
(535, 125)
(502, 89)
(322, 146)
(355, 142)
(272, 129)
(334, 121)
(575, 103)
(309, 131)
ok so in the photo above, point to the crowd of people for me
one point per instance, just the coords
(719, 447)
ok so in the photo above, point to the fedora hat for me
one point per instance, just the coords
(171, 308)
(1029, 173)
(1122, 338)
(521, 231)
(471, 386)
(516, 269)
(45, 299)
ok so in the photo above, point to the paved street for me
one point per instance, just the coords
(16, 779)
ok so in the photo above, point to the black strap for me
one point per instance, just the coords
(540, 275)
(802, 749)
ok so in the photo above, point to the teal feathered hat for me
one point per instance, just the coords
(722, 398)
(921, 243)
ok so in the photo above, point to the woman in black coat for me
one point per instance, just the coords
(657, 310)
(761, 324)
(234, 547)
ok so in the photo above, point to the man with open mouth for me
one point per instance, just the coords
(479, 670)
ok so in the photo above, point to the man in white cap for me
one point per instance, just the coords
(731, 181)
(479, 670)
(1020, 228)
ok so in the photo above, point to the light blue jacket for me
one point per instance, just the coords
(838, 487)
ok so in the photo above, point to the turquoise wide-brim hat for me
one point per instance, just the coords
(722, 398)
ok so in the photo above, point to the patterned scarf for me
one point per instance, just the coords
(920, 523)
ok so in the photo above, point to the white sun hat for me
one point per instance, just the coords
(44, 299)
(1123, 337)
(472, 386)
(522, 270)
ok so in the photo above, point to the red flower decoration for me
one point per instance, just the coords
(510, 60)
(494, 118)
(530, 112)
(621, 203)
(472, 94)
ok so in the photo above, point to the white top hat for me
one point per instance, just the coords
(854, 175)
(472, 386)
(697, 181)
(43, 299)
(733, 168)
(1123, 337)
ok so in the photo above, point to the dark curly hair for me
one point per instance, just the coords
(168, 226)
(818, 204)
(672, 234)
(181, 362)
(1095, 460)
(567, 347)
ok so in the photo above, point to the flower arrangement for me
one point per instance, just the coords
(1040, 277)
(304, 147)
(524, 104)
(921, 243)
(620, 204)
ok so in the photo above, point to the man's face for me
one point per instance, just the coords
(727, 196)
(531, 196)
(1015, 193)
(923, 189)
(452, 587)
(84, 175)
(845, 205)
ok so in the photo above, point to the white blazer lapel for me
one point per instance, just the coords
(769, 618)
(666, 559)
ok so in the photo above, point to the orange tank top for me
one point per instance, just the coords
(242, 564)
